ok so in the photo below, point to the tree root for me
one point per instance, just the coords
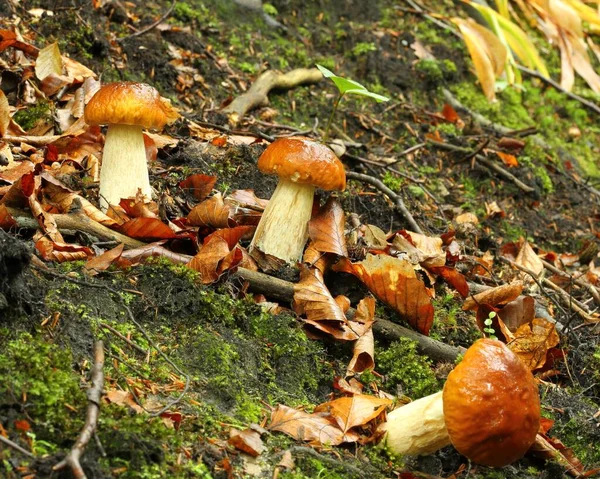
(94, 395)
(258, 93)
(284, 291)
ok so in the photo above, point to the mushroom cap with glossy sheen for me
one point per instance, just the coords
(491, 405)
(305, 161)
(129, 103)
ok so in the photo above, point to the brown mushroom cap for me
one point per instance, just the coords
(491, 405)
(305, 161)
(129, 103)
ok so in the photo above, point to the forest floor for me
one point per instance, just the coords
(210, 354)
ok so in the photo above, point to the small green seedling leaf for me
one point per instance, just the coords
(352, 87)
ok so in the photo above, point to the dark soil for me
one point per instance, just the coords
(240, 360)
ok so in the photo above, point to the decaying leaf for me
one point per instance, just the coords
(49, 62)
(211, 212)
(530, 260)
(518, 312)
(199, 185)
(353, 411)
(494, 296)
(395, 282)
(363, 356)
(326, 230)
(102, 262)
(453, 277)
(247, 441)
(531, 342)
(147, 229)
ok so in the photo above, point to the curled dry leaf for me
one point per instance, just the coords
(59, 251)
(316, 429)
(199, 185)
(146, 229)
(363, 356)
(247, 441)
(353, 411)
(395, 282)
(211, 212)
(518, 312)
(102, 262)
(312, 298)
(314, 258)
(453, 278)
(6, 220)
(49, 62)
(494, 296)
(532, 341)
(508, 159)
(326, 229)
(527, 258)
(421, 249)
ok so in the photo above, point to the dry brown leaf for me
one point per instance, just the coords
(211, 212)
(363, 356)
(326, 230)
(314, 258)
(199, 186)
(316, 429)
(453, 277)
(147, 229)
(353, 411)
(395, 282)
(102, 262)
(374, 237)
(247, 441)
(122, 398)
(352, 386)
(137, 255)
(527, 258)
(518, 312)
(494, 296)
(532, 341)
(6, 220)
(4, 114)
(59, 251)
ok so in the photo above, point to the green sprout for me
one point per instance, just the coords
(488, 325)
(344, 86)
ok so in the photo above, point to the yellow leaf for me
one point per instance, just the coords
(49, 62)
(488, 54)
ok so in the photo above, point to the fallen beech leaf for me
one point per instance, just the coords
(374, 237)
(421, 249)
(530, 260)
(453, 278)
(316, 429)
(467, 217)
(508, 159)
(146, 229)
(199, 185)
(247, 441)
(49, 62)
(326, 230)
(551, 448)
(287, 461)
(211, 212)
(518, 312)
(343, 302)
(363, 356)
(122, 398)
(395, 282)
(4, 114)
(311, 297)
(16, 170)
(353, 386)
(533, 340)
(139, 207)
(314, 258)
(102, 262)
(353, 411)
(248, 199)
(58, 251)
(6, 220)
(494, 296)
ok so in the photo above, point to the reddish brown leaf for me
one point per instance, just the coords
(248, 199)
(364, 348)
(527, 258)
(139, 207)
(6, 219)
(211, 212)
(494, 296)
(326, 230)
(247, 441)
(102, 262)
(60, 252)
(518, 312)
(395, 282)
(199, 185)
(16, 170)
(453, 278)
(532, 341)
(316, 429)
(449, 113)
(353, 411)
(352, 386)
(146, 229)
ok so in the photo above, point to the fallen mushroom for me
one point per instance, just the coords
(489, 410)
(127, 108)
(302, 165)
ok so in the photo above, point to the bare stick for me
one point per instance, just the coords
(77, 222)
(91, 417)
(16, 447)
(581, 283)
(284, 291)
(258, 93)
(397, 199)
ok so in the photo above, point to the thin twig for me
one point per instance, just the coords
(94, 395)
(412, 149)
(124, 338)
(583, 284)
(16, 447)
(152, 26)
(137, 324)
(393, 196)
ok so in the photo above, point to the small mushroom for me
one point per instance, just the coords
(302, 165)
(489, 410)
(127, 108)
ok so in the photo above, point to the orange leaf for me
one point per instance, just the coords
(317, 429)
(102, 262)
(494, 296)
(211, 212)
(353, 411)
(530, 260)
(449, 113)
(420, 249)
(247, 441)
(6, 220)
(199, 185)
(146, 229)
(533, 340)
(364, 348)
(59, 251)
(326, 230)
(508, 159)
(453, 278)
(395, 282)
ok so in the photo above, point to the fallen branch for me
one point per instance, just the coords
(284, 291)
(91, 418)
(397, 199)
(258, 93)
(581, 283)
(16, 447)
(76, 222)
(485, 162)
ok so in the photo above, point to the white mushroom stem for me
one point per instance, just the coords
(417, 428)
(124, 166)
(283, 228)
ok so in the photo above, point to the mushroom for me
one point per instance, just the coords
(489, 410)
(126, 107)
(301, 164)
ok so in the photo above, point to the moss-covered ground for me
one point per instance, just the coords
(241, 361)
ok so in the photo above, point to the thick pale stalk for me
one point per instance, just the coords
(417, 428)
(283, 229)
(124, 167)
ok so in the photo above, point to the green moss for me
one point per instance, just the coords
(404, 367)
(392, 181)
(361, 49)
(29, 117)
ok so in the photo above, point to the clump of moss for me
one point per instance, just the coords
(29, 117)
(435, 72)
(403, 367)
